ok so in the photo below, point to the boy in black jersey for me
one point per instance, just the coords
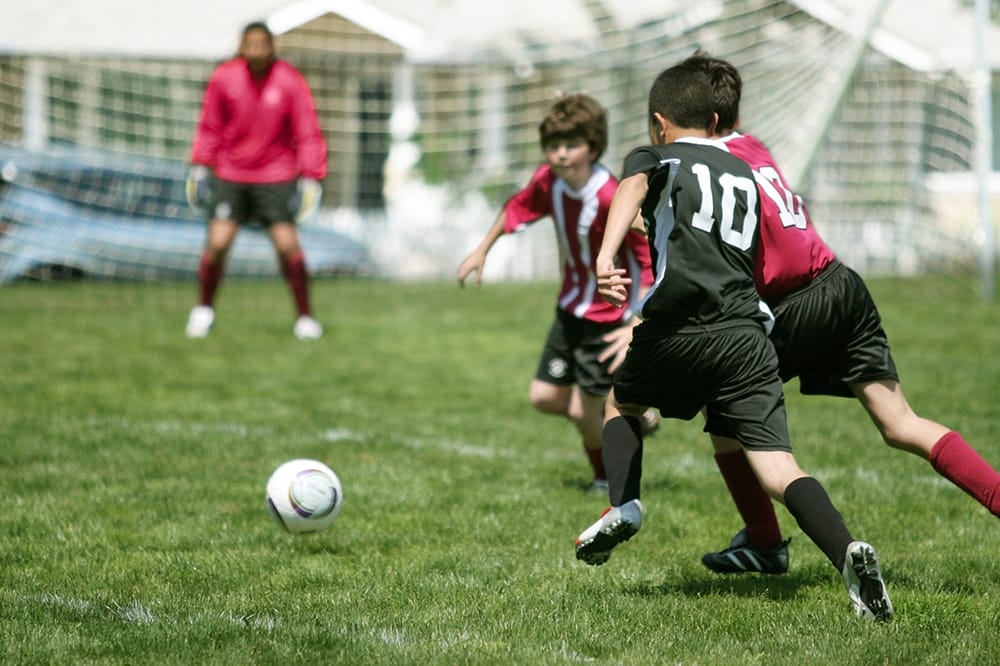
(703, 339)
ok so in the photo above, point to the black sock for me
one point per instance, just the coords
(808, 502)
(623, 458)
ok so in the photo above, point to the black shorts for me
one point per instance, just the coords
(254, 203)
(732, 370)
(570, 354)
(829, 333)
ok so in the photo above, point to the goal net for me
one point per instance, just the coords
(431, 112)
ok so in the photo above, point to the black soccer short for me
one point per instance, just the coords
(730, 369)
(570, 354)
(829, 333)
(253, 203)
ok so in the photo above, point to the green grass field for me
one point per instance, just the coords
(133, 463)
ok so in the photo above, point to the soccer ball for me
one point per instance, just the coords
(304, 495)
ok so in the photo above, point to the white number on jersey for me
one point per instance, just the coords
(790, 206)
(704, 219)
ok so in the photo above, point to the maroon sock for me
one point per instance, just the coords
(294, 270)
(210, 270)
(751, 500)
(597, 462)
(955, 460)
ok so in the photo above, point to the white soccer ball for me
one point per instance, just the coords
(304, 495)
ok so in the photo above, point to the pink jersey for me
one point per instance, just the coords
(259, 130)
(580, 218)
(790, 252)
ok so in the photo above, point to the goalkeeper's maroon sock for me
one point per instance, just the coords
(955, 460)
(294, 270)
(751, 501)
(210, 270)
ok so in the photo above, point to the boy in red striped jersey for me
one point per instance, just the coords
(588, 338)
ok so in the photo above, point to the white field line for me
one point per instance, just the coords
(689, 461)
(135, 612)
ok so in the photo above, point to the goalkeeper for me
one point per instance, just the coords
(258, 157)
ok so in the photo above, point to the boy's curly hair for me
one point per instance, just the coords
(576, 116)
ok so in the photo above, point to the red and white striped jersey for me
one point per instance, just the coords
(580, 218)
(790, 252)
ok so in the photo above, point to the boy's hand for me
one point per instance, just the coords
(611, 283)
(618, 341)
(473, 263)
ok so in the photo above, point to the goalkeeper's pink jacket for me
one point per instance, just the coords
(259, 130)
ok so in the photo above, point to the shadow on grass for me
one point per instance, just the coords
(703, 584)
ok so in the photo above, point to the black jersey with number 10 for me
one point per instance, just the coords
(701, 215)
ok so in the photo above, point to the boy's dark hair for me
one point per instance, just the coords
(576, 116)
(683, 94)
(257, 25)
(727, 87)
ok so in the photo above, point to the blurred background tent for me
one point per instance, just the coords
(431, 107)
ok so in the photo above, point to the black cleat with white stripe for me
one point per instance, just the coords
(741, 557)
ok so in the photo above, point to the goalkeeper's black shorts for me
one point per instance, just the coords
(253, 203)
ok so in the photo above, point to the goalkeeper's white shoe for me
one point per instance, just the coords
(865, 586)
(200, 321)
(616, 524)
(307, 328)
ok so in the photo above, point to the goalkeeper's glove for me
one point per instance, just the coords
(305, 202)
(198, 186)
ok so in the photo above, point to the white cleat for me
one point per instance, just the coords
(616, 524)
(200, 321)
(307, 328)
(864, 583)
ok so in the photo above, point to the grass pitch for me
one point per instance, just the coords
(133, 463)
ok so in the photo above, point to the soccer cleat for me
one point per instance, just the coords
(864, 583)
(200, 321)
(616, 524)
(741, 557)
(598, 487)
(307, 328)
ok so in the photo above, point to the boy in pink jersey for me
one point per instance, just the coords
(829, 334)
(258, 157)
(588, 338)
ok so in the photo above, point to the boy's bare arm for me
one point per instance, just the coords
(611, 281)
(477, 258)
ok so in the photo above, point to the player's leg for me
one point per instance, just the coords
(211, 266)
(586, 411)
(623, 460)
(228, 208)
(292, 260)
(810, 505)
(755, 411)
(272, 203)
(218, 240)
(758, 546)
(550, 398)
(593, 383)
(947, 451)
(639, 383)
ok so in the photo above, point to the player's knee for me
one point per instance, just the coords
(548, 402)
